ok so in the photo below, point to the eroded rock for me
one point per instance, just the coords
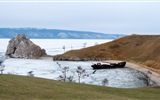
(22, 47)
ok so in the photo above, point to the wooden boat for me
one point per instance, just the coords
(108, 66)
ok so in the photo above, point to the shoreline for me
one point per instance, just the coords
(153, 76)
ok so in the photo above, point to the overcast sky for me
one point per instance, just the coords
(105, 17)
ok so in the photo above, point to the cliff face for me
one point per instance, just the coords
(141, 48)
(22, 47)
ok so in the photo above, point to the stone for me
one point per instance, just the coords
(22, 47)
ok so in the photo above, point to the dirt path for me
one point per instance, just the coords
(155, 77)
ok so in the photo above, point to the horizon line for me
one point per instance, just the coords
(129, 33)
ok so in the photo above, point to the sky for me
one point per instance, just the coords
(120, 17)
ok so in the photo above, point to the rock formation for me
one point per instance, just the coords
(22, 47)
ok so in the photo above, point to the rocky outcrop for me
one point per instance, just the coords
(22, 47)
(66, 58)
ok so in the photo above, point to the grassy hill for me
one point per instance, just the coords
(140, 48)
(29, 88)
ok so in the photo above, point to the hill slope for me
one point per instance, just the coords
(29, 88)
(139, 48)
(55, 34)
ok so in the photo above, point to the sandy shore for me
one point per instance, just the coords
(153, 76)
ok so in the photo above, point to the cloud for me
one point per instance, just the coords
(108, 17)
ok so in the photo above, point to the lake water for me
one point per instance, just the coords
(46, 68)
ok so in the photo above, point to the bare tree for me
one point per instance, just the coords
(30, 73)
(64, 48)
(104, 82)
(59, 65)
(64, 76)
(71, 47)
(81, 73)
(84, 45)
(2, 68)
(96, 43)
(70, 79)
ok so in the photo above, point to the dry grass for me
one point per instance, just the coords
(140, 48)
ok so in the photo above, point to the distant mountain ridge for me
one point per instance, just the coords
(55, 34)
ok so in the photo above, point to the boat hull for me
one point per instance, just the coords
(111, 66)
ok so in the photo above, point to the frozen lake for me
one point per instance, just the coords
(55, 46)
(46, 68)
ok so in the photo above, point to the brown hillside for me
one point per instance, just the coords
(141, 48)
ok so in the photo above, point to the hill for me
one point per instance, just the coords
(139, 48)
(55, 34)
(29, 88)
